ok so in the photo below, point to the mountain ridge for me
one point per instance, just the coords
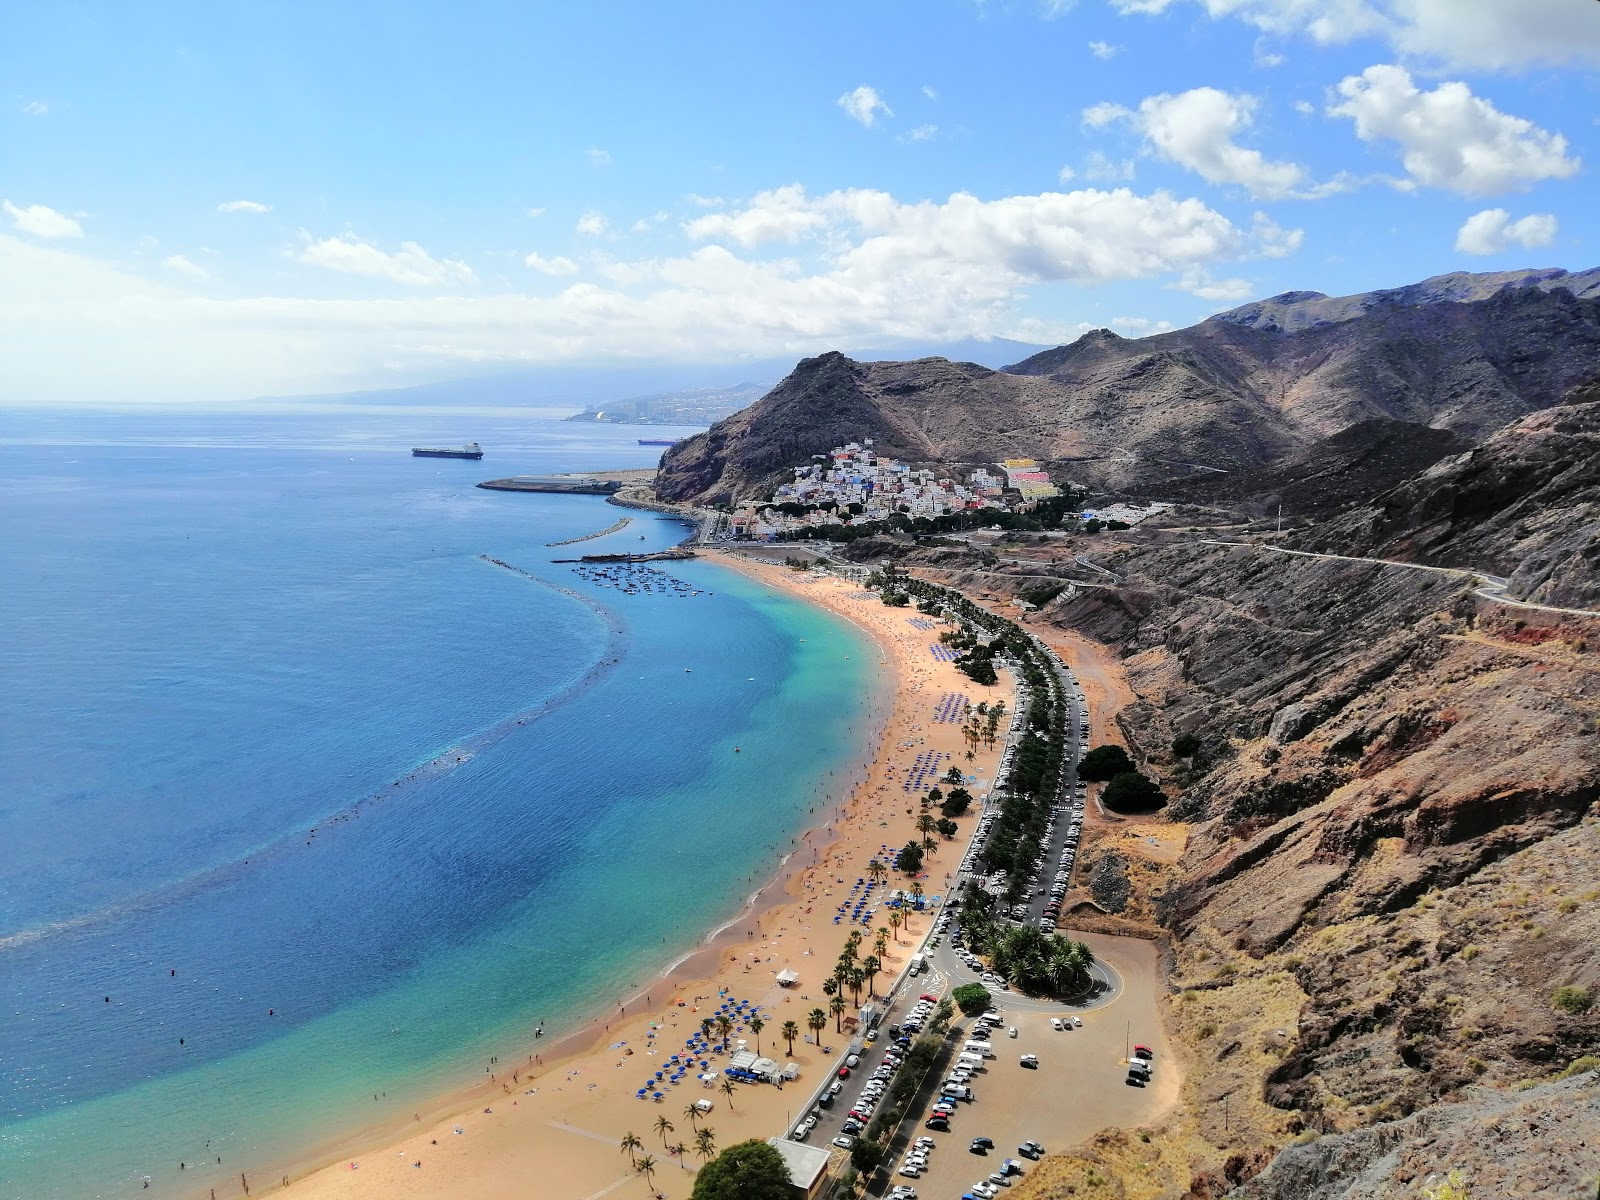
(1131, 412)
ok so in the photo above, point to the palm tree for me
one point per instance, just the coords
(790, 1031)
(895, 921)
(646, 1166)
(830, 985)
(705, 1027)
(870, 969)
(663, 1127)
(693, 1114)
(876, 871)
(705, 1144)
(854, 981)
(630, 1143)
(880, 944)
(926, 825)
(682, 1153)
(727, 1090)
(725, 1027)
(756, 1026)
(817, 1021)
(836, 1006)
(916, 894)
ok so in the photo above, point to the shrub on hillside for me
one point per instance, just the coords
(1104, 762)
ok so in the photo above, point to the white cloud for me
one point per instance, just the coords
(1097, 116)
(593, 224)
(1491, 34)
(1493, 230)
(243, 206)
(597, 157)
(1198, 282)
(35, 108)
(783, 214)
(1305, 108)
(699, 201)
(1066, 175)
(181, 265)
(1450, 138)
(1103, 169)
(1197, 129)
(559, 265)
(864, 104)
(869, 268)
(1051, 9)
(41, 221)
(920, 134)
(535, 213)
(930, 93)
(1104, 49)
(410, 265)
(1263, 57)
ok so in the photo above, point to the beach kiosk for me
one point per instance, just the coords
(788, 977)
(807, 1167)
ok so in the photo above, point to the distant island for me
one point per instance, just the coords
(689, 406)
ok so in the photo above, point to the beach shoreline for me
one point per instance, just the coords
(491, 1156)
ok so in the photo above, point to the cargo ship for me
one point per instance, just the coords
(470, 450)
(659, 441)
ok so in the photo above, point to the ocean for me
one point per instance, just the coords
(309, 809)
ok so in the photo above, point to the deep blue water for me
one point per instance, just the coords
(276, 738)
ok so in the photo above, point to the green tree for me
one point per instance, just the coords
(837, 1007)
(663, 1127)
(865, 1156)
(953, 776)
(646, 1166)
(749, 1170)
(946, 827)
(630, 1143)
(972, 998)
(681, 1152)
(1132, 792)
(1104, 762)
(756, 1026)
(727, 1090)
(1185, 745)
(909, 859)
(705, 1143)
(1092, 525)
(817, 1021)
(790, 1031)
(926, 826)
(693, 1114)
(870, 968)
(895, 921)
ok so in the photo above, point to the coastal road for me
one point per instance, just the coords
(1491, 587)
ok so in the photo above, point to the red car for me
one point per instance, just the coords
(1144, 1052)
(844, 1072)
(929, 997)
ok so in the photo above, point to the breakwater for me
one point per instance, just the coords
(587, 537)
(554, 484)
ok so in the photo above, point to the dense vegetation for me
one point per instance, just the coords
(1035, 961)
(749, 1170)
(972, 998)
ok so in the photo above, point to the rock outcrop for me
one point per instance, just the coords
(1525, 504)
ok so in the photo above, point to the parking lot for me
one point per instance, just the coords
(1077, 1089)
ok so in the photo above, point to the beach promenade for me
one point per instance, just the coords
(550, 1120)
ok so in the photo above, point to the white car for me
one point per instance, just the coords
(911, 1172)
(986, 1190)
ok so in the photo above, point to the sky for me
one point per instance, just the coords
(210, 202)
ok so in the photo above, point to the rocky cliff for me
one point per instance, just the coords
(1525, 504)
(1228, 394)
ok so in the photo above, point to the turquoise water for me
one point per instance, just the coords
(328, 806)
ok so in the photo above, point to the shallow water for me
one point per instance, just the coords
(327, 805)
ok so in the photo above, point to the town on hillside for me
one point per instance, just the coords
(852, 486)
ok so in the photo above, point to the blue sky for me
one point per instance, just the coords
(210, 202)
